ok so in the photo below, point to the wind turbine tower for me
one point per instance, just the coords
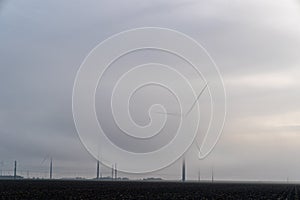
(98, 169)
(116, 172)
(112, 172)
(51, 166)
(15, 170)
(183, 169)
(212, 174)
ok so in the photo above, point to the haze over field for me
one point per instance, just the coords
(255, 43)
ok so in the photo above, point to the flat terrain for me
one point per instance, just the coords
(56, 189)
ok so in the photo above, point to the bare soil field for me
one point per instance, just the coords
(59, 189)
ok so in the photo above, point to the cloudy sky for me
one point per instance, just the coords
(255, 43)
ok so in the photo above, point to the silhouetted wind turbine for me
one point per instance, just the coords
(212, 174)
(199, 174)
(15, 170)
(185, 115)
(116, 172)
(50, 176)
(1, 165)
(98, 169)
(112, 172)
(183, 169)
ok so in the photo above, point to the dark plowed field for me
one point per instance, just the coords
(26, 189)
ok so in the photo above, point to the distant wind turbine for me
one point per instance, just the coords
(48, 157)
(183, 173)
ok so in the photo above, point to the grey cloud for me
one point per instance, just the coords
(43, 44)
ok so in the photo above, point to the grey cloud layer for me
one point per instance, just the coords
(255, 43)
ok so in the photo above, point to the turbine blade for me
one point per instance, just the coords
(45, 158)
(197, 99)
(167, 113)
(190, 109)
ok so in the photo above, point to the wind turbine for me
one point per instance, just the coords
(101, 161)
(51, 168)
(185, 115)
(183, 169)
(212, 174)
(98, 169)
(116, 172)
(112, 172)
(1, 165)
(199, 174)
(50, 165)
(15, 170)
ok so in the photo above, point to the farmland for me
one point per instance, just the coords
(59, 189)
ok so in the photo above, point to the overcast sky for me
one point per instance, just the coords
(255, 43)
